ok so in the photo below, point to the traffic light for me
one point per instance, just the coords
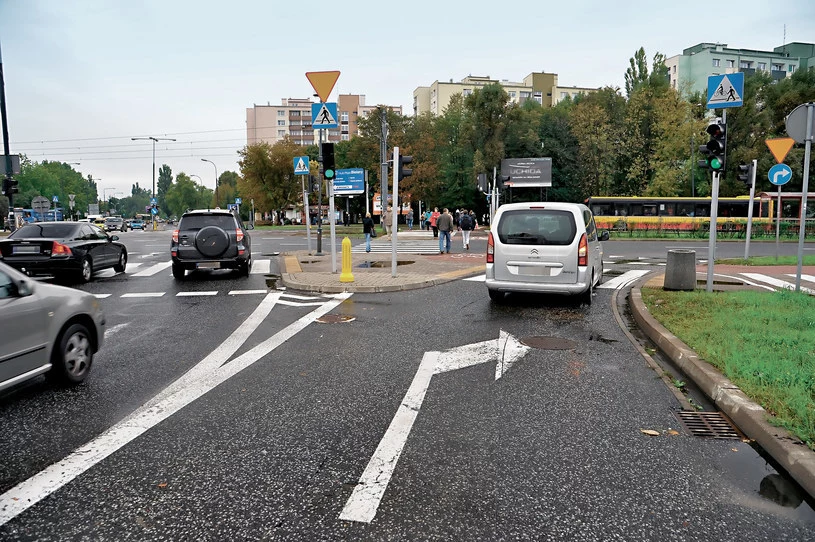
(10, 187)
(482, 182)
(403, 171)
(716, 148)
(329, 169)
(314, 183)
(744, 174)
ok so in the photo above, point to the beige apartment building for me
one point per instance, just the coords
(271, 123)
(539, 86)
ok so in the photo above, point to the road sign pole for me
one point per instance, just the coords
(711, 247)
(804, 188)
(778, 224)
(750, 209)
(320, 201)
(308, 214)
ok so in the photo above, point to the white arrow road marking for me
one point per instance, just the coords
(201, 379)
(364, 500)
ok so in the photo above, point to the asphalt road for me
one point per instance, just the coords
(278, 418)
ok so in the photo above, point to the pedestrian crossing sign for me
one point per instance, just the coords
(725, 90)
(324, 115)
(301, 165)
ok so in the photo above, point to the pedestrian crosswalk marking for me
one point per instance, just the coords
(153, 269)
(192, 294)
(261, 267)
(245, 292)
(144, 294)
(624, 279)
(776, 282)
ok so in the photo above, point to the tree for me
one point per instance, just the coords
(637, 73)
(165, 180)
(267, 175)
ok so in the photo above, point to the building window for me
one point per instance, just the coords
(745, 64)
(564, 95)
(281, 123)
(512, 94)
(344, 116)
(294, 113)
(778, 67)
(345, 137)
(674, 68)
(731, 63)
(792, 68)
(716, 62)
(762, 66)
(525, 94)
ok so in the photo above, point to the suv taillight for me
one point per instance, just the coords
(175, 236)
(490, 249)
(583, 251)
(238, 235)
(58, 249)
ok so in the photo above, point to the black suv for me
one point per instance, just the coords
(211, 239)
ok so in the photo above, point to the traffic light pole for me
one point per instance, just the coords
(714, 212)
(6, 150)
(753, 167)
(320, 200)
(305, 206)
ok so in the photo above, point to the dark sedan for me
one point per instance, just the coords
(63, 249)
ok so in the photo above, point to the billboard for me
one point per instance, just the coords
(349, 182)
(527, 172)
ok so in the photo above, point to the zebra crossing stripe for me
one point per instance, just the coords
(776, 282)
(624, 279)
(808, 278)
(153, 269)
(101, 296)
(261, 267)
(192, 294)
(144, 294)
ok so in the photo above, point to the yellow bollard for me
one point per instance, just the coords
(346, 275)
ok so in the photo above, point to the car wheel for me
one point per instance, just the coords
(72, 356)
(246, 268)
(178, 271)
(588, 294)
(86, 272)
(496, 296)
(120, 267)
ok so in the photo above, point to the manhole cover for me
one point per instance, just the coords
(335, 319)
(708, 425)
(549, 343)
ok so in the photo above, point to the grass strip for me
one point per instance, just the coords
(809, 259)
(762, 341)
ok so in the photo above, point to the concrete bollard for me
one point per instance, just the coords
(346, 275)
(680, 272)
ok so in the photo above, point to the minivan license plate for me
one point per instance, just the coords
(208, 265)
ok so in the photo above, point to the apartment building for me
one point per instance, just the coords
(539, 86)
(689, 71)
(271, 123)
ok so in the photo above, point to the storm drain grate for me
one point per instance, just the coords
(709, 425)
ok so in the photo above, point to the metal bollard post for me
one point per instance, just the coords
(345, 274)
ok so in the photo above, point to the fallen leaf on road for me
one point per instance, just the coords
(673, 432)
(162, 485)
(650, 432)
(734, 449)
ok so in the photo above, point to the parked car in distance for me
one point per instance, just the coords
(115, 223)
(211, 239)
(63, 249)
(544, 247)
(47, 329)
(137, 224)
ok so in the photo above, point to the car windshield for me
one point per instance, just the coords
(537, 227)
(196, 222)
(44, 230)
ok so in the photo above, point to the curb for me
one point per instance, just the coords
(792, 454)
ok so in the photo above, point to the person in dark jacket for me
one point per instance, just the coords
(367, 228)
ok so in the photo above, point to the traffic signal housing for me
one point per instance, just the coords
(329, 168)
(716, 148)
(744, 174)
(403, 172)
(10, 187)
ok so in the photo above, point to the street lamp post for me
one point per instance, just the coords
(104, 196)
(217, 203)
(153, 139)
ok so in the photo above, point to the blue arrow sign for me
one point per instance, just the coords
(349, 182)
(301, 165)
(725, 90)
(779, 174)
(324, 115)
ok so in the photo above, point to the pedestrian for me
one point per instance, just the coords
(427, 219)
(367, 228)
(410, 218)
(434, 216)
(444, 224)
(384, 219)
(466, 225)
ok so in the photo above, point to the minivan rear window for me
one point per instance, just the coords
(537, 227)
(196, 222)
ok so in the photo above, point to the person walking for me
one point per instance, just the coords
(444, 224)
(434, 216)
(367, 228)
(427, 219)
(465, 222)
(384, 219)
(410, 219)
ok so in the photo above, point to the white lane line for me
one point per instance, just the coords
(153, 269)
(29, 492)
(302, 297)
(477, 278)
(243, 292)
(144, 294)
(776, 282)
(272, 238)
(808, 278)
(192, 294)
(261, 266)
(101, 296)
(293, 244)
(364, 500)
(624, 279)
(300, 303)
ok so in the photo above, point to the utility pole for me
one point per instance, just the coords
(154, 140)
(383, 160)
(6, 151)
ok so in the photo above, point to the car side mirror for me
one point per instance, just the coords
(604, 235)
(24, 289)
(113, 238)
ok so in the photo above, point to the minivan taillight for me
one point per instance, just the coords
(490, 249)
(58, 249)
(175, 236)
(238, 235)
(583, 251)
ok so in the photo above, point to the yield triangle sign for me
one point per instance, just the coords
(324, 116)
(780, 147)
(323, 83)
(726, 92)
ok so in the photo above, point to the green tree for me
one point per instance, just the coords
(165, 180)
(267, 175)
(183, 194)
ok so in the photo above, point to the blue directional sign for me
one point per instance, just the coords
(725, 90)
(349, 182)
(324, 115)
(55, 199)
(152, 201)
(779, 174)
(301, 165)
(238, 201)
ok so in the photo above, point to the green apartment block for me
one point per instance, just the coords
(689, 71)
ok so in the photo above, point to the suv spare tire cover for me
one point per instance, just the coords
(211, 241)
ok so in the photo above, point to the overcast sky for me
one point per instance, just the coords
(84, 76)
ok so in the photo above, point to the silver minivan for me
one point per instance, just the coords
(544, 247)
